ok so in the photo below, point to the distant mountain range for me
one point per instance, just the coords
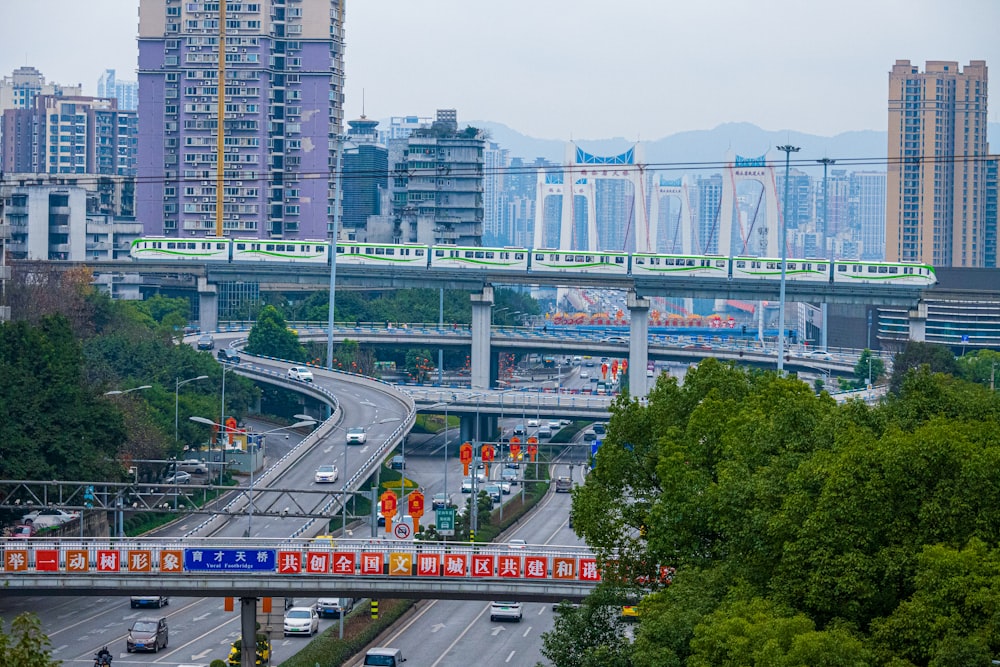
(706, 146)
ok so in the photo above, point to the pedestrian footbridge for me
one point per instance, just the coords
(258, 567)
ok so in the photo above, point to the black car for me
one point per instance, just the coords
(229, 356)
(206, 342)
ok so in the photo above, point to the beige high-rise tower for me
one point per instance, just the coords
(936, 183)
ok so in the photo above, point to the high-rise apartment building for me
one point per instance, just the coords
(707, 204)
(366, 174)
(494, 195)
(868, 213)
(283, 110)
(70, 135)
(990, 236)
(18, 92)
(126, 92)
(437, 184)
(935, 204)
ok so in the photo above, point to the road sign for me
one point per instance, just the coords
(200, 560)
(445, 521)
(402, 531)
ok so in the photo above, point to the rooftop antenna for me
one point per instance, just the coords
(362, 102)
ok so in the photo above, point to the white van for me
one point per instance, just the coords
(384, 656)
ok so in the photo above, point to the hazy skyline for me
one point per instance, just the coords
(581, 69)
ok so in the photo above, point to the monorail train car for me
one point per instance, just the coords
(919, 275)
(461, 257)
(416, 256)
(694, 266)
(279, 252)
(382, 254)
(580, 261)
(766, 268)
(166, 249)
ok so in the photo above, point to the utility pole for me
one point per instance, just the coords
(828, 250)
(788, 150)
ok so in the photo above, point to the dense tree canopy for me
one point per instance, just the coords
(271, 337)
(802, 532)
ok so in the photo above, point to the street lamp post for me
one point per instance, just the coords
(253, 456)
(178, 383)
(118, 392)
(788, 150)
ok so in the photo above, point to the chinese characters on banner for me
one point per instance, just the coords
(298, 562)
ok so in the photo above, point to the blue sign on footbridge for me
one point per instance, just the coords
(229, 560)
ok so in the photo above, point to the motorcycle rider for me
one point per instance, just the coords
(103, 658)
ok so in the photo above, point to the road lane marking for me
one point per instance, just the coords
(510, 656)
(460, 636)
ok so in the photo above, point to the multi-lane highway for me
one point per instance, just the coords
(440, 633)
(444, 633)
(199, 629)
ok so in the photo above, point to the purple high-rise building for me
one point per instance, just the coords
(284, 106)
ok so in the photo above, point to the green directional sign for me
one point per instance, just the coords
(445, 521)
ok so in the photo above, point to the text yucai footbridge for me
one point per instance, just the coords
(261, 567)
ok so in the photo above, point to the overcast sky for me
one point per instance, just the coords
(582, 69)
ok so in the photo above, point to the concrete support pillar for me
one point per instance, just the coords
(248, 629)
(208, 305)
(467, 428)
(482, 316)
(638, 344)
(486, 431)
(918, 323)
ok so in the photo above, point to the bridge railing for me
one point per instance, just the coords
(208, 557)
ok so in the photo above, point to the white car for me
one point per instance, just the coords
(516, 543)
(327, 474)
(193, 466)
(584, 375)
(48, 517)
(533, 422)
(301, 621)
(505, 611)
(300, 373)
(555, 424)
(466, 485)
(356, 436)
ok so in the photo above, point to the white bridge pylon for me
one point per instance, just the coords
(757, 237)
(578, 177)
(675, 189)
(743, 227)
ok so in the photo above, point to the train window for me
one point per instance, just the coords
(269, 247)
(872, 269)
(241, 246)
(791, 266)
(419, 252)
(369, 251)
(539, 257)
(439, 253)
(883, 269)
(821, 267)
(721, 263)
(379, 251)
(341, 249)
(489, 255)
(907, 270)
(453, 253)
(390, 251)
(519, 256)
(619, 260)
(171, 246)
(741, 264)
(893, 269)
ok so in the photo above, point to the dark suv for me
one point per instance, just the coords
(147, 634)
(228, 355)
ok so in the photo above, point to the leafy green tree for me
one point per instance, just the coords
(797, 526)
(271, 337)
(419, 365)
(26, 645)
(56, 426)
(862, 371)
(937, 357)
(982, 367)
(598, 629)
